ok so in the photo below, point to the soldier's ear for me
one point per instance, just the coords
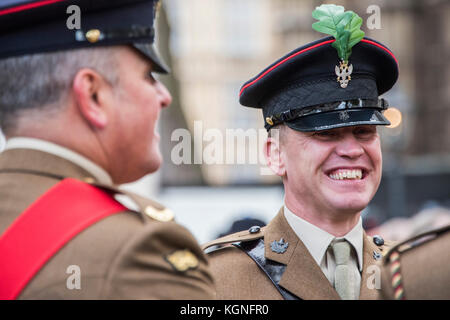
(88, 89)
(272, 153)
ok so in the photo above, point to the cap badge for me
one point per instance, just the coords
(182, 260)
(279, 246)
(343, 73)
(344, 26)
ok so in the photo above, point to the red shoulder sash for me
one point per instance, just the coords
(45, 227)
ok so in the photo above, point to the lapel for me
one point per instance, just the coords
(368, 273)
(302, 277)
(41, 163)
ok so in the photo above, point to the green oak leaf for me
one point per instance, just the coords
(341, 43)
(344, 26)
(356, 33)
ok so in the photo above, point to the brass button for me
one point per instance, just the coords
(159, 215)
(93, 35)
(269, 121)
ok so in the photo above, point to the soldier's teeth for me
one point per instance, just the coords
(346, 174)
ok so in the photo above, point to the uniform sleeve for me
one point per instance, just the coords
(163, 261)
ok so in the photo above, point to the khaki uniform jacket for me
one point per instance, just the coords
(123, 256)
(418, 268)
(238, 277)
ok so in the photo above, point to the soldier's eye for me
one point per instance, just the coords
(364, 132)
(325, 134)
(150, 77)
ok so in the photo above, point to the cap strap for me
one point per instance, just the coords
(292, 114)
(95, 35)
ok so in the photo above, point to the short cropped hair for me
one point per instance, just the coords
(40, 81)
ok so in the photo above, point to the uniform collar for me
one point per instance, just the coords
(45, 146)
(317, 240)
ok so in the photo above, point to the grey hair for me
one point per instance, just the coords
(278, 132)
(41, 81)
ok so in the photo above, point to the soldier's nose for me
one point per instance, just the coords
(349, 147)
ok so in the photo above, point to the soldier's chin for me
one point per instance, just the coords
(155, 162)
(350, 204)
(151, 165)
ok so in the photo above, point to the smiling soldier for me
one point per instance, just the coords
(322, 100)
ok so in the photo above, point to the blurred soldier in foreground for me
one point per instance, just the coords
(324, 100)
(418, 268)
(79, 109)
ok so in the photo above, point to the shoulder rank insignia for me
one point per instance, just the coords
(344, 26)
(279, 246)
(182, 260)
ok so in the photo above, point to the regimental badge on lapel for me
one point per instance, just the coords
(377, 255)
(279, 246)
(182, 260)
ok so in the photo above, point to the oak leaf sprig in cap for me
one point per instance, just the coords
(344, 26)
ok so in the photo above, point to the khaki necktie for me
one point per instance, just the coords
(343, 278)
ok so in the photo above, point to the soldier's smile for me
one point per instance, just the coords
(348, 176)
(352, 173)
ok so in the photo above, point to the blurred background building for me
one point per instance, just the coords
(214, 46)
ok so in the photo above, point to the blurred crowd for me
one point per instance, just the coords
(401, 228)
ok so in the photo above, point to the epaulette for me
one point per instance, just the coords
(392, 258)
(416, 241)
(144, 206)
(253, 233)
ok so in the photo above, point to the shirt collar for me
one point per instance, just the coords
(317, 240)
(37, 144)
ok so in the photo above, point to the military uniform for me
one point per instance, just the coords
(124, 256)
(294, 271)
(418, 268)
(138, 252)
